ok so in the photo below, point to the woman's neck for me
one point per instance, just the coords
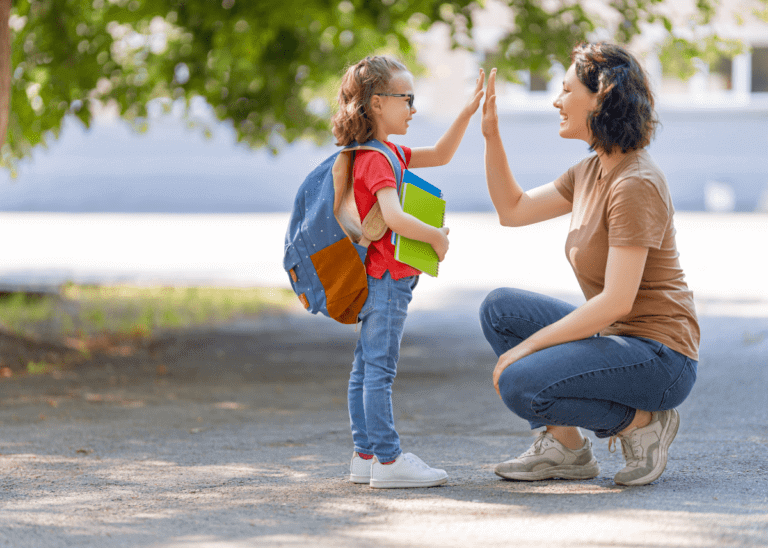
(610, 161)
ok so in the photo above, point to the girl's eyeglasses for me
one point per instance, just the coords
(409, 95)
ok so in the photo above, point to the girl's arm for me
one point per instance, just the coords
(623, 273)
(409, 226)
(446, 146)
(513, 206)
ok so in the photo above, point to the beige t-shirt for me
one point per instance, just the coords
(631, 206)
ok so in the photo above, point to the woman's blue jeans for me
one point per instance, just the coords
(375, 365)
(595, 383)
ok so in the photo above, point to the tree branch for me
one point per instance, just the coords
(5, 68)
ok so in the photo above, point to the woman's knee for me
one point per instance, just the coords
(488, 306)
(498, 304)
(516, 391)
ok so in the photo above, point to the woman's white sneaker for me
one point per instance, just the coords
(407, 471)
(547, 458)
(645, 449)
(360, 469)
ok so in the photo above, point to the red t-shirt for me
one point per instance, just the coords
(372, 172)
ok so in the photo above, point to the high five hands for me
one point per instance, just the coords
(490, 121)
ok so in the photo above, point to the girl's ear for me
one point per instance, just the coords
(376, 103)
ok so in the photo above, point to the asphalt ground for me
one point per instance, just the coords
(244, 441)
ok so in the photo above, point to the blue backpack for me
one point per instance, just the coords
(326, 242)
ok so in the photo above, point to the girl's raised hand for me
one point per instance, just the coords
(490, 121)
(475, 101)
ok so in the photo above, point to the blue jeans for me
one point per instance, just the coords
(375, 365)
(595, 383)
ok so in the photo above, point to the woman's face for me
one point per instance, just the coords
(575, 102)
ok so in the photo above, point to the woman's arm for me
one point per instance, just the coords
(623, 273)
(446, 146)
(513, 206)
(409, 226)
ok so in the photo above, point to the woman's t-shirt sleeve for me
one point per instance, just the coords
(636, 214)
(565, 184)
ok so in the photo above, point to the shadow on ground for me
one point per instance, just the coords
(238, 436)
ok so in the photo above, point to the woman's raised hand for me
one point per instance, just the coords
(490, 121)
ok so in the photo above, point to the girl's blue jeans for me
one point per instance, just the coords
(375, 365)
(596, 383)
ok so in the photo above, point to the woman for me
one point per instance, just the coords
(620, 363)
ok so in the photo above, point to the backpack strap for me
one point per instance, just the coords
(373, 226)
(401, 153)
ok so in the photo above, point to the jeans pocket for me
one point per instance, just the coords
(679, 390)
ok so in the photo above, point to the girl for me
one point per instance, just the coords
(552, 369)
(376, 101)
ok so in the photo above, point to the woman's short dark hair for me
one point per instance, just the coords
(625, 115)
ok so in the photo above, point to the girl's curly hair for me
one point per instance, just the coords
(353, 120)
(625, 115)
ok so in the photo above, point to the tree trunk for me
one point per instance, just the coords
(5, 68)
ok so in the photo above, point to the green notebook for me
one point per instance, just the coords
(428, 208)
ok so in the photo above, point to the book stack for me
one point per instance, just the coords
(424, 201)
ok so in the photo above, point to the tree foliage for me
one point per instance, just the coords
(544, 33)
(266, 66)
(258, 64)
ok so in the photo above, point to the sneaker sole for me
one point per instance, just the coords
(667, 437)
(406, 484)
(359, 479)
(585, 471)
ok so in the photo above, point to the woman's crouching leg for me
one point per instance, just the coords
(509, 316)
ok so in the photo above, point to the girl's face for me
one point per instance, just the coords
(392, 114)
(575, 103)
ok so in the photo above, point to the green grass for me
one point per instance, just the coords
(84, 310)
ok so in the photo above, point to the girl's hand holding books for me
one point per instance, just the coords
(440, 245)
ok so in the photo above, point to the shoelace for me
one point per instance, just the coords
(535, 449)
(628, 446)
(612, 444)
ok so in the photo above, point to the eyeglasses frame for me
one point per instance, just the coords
(409, 95)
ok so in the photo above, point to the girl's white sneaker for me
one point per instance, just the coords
(407, 471)
(360, 469)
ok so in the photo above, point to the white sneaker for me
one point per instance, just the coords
(408, 470)
(547, 458)
(645, 449)
(359, 469)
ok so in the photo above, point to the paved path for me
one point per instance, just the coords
(246, 442)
